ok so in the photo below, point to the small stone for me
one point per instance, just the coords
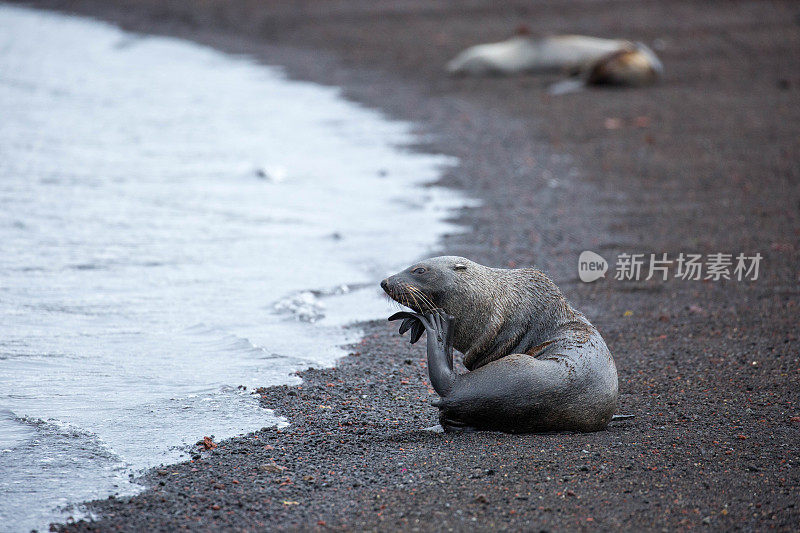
(207, 443)
(272, 468)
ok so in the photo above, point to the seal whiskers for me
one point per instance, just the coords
(409, 292)
(427, 301)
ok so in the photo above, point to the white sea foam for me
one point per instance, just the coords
(157, 200)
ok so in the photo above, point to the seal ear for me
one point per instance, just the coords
(459, 266)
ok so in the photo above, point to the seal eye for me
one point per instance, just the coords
(460, 266)
(419, 270)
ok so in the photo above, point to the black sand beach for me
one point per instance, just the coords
(705, 162)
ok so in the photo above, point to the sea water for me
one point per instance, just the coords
(177, 227)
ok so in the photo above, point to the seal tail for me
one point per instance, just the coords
(621, 417)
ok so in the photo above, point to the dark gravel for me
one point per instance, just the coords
(705, 162)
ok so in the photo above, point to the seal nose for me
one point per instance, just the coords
(385, 285)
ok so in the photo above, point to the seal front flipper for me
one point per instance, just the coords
(456, 427)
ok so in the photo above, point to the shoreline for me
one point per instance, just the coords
(684, 352)
(213, 356)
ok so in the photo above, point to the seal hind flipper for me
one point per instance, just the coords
(411, 320)
(402, 314)
(439, 326)
(416, 332)
(407, 323)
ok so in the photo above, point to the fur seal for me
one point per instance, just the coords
(634, 66)
(535, 363)
(597, 61)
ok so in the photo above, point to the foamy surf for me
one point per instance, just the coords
(157, 200)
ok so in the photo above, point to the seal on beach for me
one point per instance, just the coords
(634, 65)
(535, 364)
(596, 61)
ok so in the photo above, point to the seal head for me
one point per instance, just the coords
(633, 65)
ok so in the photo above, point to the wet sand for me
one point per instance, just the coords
(705, 162)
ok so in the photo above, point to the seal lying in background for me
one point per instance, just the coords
(596, 61)
(535, 363)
